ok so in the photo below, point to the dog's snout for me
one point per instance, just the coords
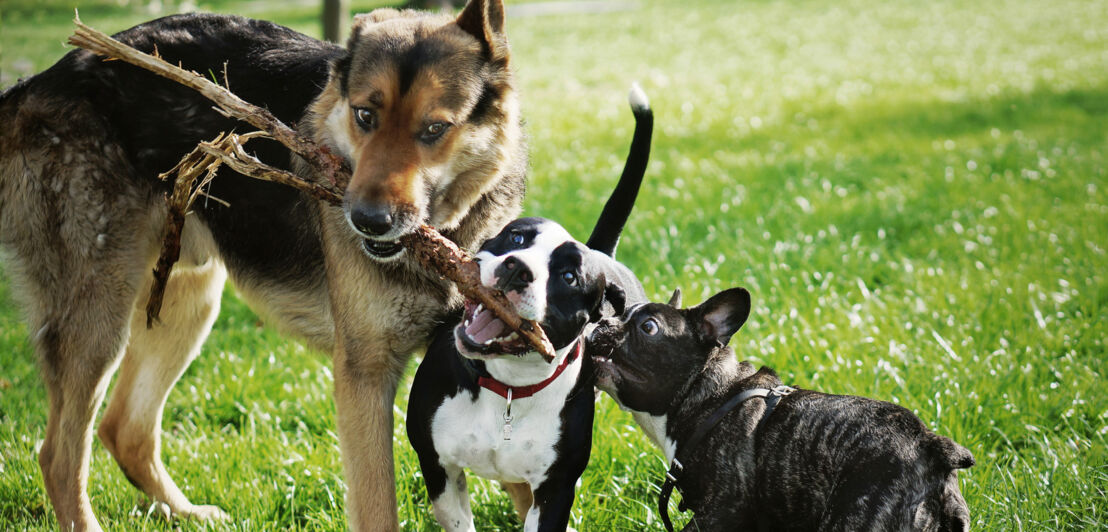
(606, 329)
(605, 336)
(513, 274)
(372, 219)
(610, 324)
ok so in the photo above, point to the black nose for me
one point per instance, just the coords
(371, 218)
(605, 337)
(512, 274)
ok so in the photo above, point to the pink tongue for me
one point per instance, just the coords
(485, 326)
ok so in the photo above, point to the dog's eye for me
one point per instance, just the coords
(570, 278)
(366, 118)
(649, 327)
(433, 132)
(517, 238)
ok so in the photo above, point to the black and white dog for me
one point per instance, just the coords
(748, 453)
(483, 400)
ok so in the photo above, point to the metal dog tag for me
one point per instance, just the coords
(506, 432)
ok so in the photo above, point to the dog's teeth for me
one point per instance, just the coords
(480, 307)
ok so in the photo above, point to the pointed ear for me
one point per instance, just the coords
(340, 68)
(365, 20)
(484, 19)
(675, 299)
(722, 315)
(597, 298)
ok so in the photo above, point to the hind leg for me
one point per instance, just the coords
(154, 361)
(521, 496)
(76, 377)
(81, 326)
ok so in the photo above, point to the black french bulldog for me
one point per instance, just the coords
(750, 454)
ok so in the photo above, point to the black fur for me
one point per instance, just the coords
(272, 66)
(601, 286)
(605, 234)
(817, 462)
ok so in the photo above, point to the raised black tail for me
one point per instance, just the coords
(605, 235)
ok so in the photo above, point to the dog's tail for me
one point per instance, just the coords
(605, 235)
(950, 454)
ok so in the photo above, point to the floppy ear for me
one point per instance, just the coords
(616, 297)
(675, 299)
(484, 19)
(722, 315)
(597, 298)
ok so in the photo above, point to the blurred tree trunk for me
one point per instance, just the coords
(441, 5)
(336, 18)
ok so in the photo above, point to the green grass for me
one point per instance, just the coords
(916, 194)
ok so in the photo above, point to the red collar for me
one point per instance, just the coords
(519, 392)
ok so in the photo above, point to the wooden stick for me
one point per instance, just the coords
(231, 153)
(428, 246)
(436, 252)
(187, 171)
(319, 157)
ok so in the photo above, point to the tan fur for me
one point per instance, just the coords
(80, 233)
(131, 426)
(521, 495)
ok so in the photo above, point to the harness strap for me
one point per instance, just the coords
(771, 397)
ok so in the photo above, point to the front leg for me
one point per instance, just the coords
(451, 504)
(365, 387)
(381, 316)
(551, 507)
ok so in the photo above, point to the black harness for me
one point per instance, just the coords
(771, 396)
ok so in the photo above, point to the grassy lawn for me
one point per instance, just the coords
(915, 193)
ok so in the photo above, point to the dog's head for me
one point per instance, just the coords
(548, 277)
(646, 358)
(423, 109)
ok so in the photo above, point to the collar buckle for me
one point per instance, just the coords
(675, 467)
(782, 390)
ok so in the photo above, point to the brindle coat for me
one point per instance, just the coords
(816, 461)
(423, 108)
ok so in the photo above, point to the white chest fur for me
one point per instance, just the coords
(469, 433)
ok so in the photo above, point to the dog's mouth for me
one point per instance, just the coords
(611, 372)
(606, 369)
(482, 333)
(382, 249)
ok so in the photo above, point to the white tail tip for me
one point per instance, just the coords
(637, 98)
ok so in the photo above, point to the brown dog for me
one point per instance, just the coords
(422, 107)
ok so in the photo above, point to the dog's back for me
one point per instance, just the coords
(870, 464)
(84, 140)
